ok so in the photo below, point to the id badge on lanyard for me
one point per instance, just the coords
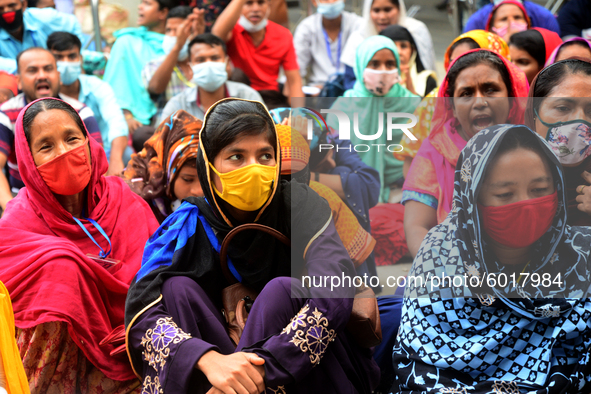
(103, 257)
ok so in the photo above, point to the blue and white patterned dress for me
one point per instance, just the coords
(498, 337)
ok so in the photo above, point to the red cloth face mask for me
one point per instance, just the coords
(519, 224)
(69, 173)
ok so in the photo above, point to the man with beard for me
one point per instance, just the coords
(22, 28)
(37, 77)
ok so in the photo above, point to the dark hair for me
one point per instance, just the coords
(553, 75)
(532, 42)
(181, 11)
(521, 137)
(395, 3)
(46, 105)
(234, 118)
(18, 57)
(63, 41)
(466, 40)
(170, 4)
(573, 43)
(209, 39)
(473, 59)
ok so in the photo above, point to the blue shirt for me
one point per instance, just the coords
(100, 98)
(39, 23)
(539, 16)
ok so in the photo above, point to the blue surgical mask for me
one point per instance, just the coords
(169, 42)
(69, 72)
(210, 75)
(331, 10)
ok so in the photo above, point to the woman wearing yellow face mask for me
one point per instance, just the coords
(176, 335)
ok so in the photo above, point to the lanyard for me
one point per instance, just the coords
(329, 51)
(102, 254)
(182, 77)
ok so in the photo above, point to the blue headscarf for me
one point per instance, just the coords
(496, 338)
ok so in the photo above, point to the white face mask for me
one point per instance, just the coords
(169, 42)
(250, 27)
(379, 82)
(210, 75)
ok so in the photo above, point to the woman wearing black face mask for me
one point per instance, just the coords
(559, 110)
(513, 312)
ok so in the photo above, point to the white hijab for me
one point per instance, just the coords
(367, 29)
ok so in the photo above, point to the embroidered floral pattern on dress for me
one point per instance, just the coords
(547, 311)
(156, 341)
(450, 390)
(278, 390)
(466, 171)
(152, 386)
(316, 338)
(298, 320)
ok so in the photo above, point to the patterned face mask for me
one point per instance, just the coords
(570, 141)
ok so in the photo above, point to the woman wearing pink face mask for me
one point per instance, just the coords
(508, 17)
(377, 70)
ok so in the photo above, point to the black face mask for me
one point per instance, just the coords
(11, 21)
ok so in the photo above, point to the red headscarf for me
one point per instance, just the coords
(43, 260)
(514, 2)
(551, 41)
(432, 170)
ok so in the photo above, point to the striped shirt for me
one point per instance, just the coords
(9, 112)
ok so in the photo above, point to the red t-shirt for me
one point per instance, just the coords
(262, 63)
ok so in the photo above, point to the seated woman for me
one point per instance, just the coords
(377, 15)
(176, 336)
(559, 109)
(530, 49)
(517, 318)
(575, 47)
(378, 76)
(164, 173)
(72, 240)
(507, 18)
(480, 83)
(13, 379)
(414, 76)
(466, 42)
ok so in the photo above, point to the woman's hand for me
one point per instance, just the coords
(241, 373)
(584, 197)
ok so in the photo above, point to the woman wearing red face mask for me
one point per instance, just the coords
(72, 240)
(513, 315)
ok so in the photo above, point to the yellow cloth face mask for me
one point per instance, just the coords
(246, 188)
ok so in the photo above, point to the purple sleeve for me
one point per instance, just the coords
(290, 355)
(477, 20)
(541, 17)
(168, 353)
(361, 183)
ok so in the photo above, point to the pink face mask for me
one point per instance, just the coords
(379, 82)
(514, 27)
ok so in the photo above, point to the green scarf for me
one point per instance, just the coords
(368, 106)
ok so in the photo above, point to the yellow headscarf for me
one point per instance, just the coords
(485, 40)
(16, 379)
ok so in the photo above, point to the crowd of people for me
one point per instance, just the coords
(159, 220)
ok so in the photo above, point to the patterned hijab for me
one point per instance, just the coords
(496, 338)
(152, 172)
(485, 40)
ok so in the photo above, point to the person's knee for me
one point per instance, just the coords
(284, 285)
(172, 287)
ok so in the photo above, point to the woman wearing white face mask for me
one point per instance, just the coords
(378, 75)
(377, 15)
